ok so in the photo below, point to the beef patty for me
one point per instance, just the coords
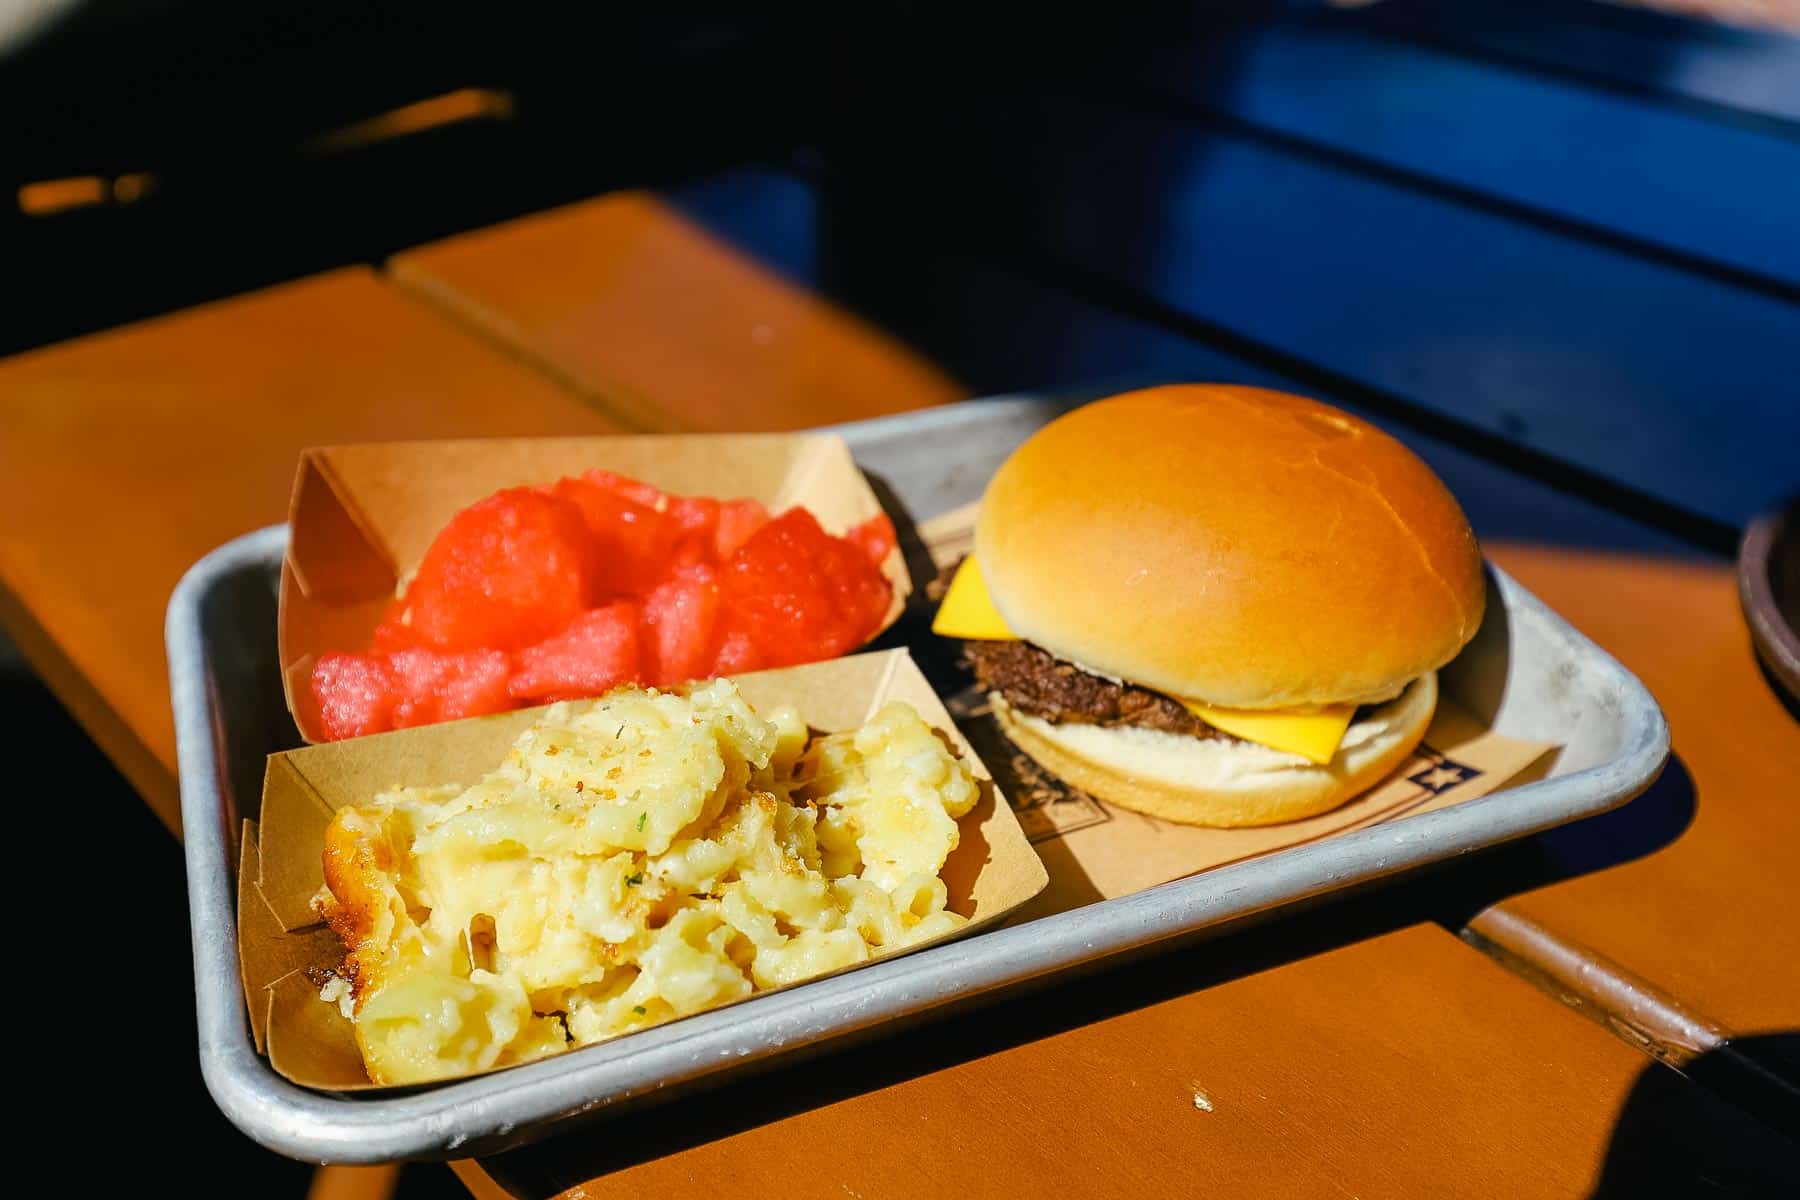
(1037, 682)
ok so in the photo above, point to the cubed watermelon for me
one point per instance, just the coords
(633, 542)
(738, 519)
(395, 632)
(681, 625)
(634, 490)
(596, 653)
(800, 594)
(355, 694)
(737, 654)
(874, 537)
(432, 686)
(506, 572)
(696, 515)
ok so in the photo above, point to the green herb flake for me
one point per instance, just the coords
(639, 1009)
(634, 880)
(641, 817)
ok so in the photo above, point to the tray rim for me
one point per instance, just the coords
(492, 1112)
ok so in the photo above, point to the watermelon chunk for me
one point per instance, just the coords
(631, 489)
(738, 519)
(801, 595)
(681, 625)
(874, 537)
(504, 573)
(737, 654)
(596, 653)
(355, 693)
(697, 516)
(395, 632)
(633, 542)
(433, 687)
(697, 519)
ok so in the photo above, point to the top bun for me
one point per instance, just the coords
(1243, 547)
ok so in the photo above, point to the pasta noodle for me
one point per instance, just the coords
(634, 859)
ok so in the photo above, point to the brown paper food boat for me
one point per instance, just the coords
(362, 516)
(992, 872)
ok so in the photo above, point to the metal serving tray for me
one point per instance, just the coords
(1527, 669)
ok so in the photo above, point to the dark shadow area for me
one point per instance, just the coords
(1675, 1139)
(1535, 347)
(896, 66)
(128, 1014)
(239, 615)
(926, 593)
(1417, 310)
(1744, 77)
(224, 139)
(130, 1018)
(429, 1181)
(1761, 1074)
(1631, 831)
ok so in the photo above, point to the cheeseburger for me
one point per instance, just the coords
(1216, 605)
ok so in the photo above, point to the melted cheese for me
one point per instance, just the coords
(968, 612)
(632, 860)
(1313, 735)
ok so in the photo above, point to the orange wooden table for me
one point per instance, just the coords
(129, 454)
(1398, 1066)
(662, 325)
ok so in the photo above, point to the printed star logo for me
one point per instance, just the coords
(1440, 776)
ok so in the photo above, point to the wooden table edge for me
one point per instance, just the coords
(631, 409)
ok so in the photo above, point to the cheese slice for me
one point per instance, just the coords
(968, 611)
(1314, 734)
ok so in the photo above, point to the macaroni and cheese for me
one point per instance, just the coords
(634, 859)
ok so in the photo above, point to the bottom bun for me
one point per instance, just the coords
(1215, 781)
